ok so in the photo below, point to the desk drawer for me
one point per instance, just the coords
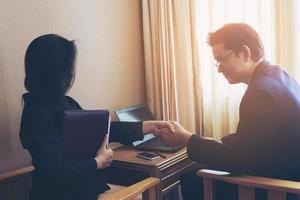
(172, 174)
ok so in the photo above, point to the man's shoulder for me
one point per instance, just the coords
(266, 74)
(259, 96)
(271, 79)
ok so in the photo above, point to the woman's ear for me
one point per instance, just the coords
(245, 51)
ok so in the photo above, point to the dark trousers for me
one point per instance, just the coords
(192, 189)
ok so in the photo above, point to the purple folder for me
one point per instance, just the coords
(83, 132)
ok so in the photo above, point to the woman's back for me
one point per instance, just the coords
(40, 134)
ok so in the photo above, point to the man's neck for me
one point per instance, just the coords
(252, 69)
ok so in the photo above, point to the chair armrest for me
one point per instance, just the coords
(15, 173)
(255, 181)
(134, 190)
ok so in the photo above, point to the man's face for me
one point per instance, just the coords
(229, 63)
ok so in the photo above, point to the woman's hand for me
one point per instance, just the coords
(153, 126)
(104, 155)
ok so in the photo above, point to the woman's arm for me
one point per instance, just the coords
(128, 132)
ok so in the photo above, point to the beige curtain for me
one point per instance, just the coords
(178, 60)
(171, 61)
(221, 100)
(287, 36)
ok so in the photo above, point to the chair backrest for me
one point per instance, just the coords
(276, 188)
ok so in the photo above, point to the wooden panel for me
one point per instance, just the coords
(246, 193)
(276, 195)
(209, 189)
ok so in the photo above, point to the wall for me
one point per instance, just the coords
(110, 72)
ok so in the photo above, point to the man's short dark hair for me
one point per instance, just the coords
(50, 66)
(235, 35)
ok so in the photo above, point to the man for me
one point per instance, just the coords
(267, 140)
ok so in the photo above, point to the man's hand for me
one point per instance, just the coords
(153, 126)
(180, 137)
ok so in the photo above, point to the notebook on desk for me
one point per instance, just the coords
(83, 132)
(150, 142)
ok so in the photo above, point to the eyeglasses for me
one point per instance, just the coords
(221, 61)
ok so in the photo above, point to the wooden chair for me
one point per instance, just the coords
(276, 188)
(15, 185)
(131, 192)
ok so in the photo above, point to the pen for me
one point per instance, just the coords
(160, 154)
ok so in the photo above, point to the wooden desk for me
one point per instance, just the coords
(169, 169)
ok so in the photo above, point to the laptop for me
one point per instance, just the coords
(83, 132)
(150, 142)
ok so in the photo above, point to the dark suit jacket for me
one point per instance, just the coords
(54, 177)
(267, 140)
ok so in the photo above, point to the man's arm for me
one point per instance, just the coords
(246, 150)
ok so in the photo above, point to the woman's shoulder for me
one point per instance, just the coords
(48, 104)
(37, 112)
(36, 109)
(72, 102)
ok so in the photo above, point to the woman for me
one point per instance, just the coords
(49, 74)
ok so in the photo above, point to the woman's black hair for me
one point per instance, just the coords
(50, 66)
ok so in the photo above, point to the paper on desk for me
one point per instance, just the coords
(215, 172)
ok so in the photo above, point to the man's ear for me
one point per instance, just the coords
(245, 51)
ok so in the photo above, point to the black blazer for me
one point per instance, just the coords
(267, 140)
(54, 177)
